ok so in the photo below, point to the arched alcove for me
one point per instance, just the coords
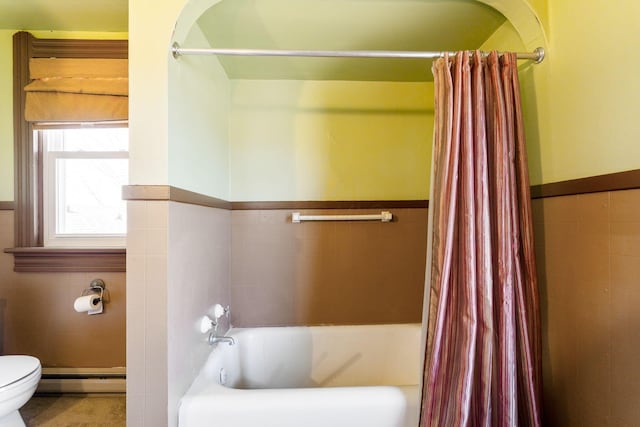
(212, 98)
(285, 130)
(522, 16)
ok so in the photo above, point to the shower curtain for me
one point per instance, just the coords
(482, 355)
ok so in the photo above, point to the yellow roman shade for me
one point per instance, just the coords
(77, 90)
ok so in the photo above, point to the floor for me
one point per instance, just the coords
(75, 411)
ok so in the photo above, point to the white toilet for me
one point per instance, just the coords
(19, 376)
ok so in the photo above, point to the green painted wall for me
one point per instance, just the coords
(6, 96)
(198, 125)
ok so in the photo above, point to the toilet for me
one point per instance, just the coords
(19, 376)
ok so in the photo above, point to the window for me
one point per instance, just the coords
(84, 170)
(83, 232)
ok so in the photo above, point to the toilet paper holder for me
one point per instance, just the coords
(97, 286)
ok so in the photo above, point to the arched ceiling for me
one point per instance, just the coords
(420, 25)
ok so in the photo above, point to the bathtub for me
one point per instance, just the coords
(318, 376)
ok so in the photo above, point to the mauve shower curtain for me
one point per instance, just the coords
(482, 357)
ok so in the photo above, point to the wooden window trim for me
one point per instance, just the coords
(27, 180)
(38, 260)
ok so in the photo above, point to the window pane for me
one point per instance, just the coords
(88, 199)
(89, 139)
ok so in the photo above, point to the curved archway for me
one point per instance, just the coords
(520, 13)
(190, 13)
(523, 18)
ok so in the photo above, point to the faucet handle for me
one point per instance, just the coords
(206, 324)
(219, 311)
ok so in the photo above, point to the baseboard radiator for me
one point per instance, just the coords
(82, 380)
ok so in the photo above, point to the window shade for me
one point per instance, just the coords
(76, 90)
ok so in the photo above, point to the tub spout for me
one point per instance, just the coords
(214, 339)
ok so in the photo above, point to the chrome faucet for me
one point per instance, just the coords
(214, 339)
(212, 325)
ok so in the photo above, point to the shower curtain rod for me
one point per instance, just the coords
(537, 55)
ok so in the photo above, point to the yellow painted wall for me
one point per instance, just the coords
(586, 105)
(541, 9)
(330, 140)
(581, 104)
(304, 147)
(150, 29)
(507, 38)
(589, 90)
(6, 97)
(6, 115)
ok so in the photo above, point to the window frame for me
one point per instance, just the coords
(28, 230)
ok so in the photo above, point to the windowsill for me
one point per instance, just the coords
(45, 259)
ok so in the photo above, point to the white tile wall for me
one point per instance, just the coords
(146, 314)
(178, 263)
(198, 278)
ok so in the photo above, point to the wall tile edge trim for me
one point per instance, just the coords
(627, 180)
(330, 204)
(170, 193)
(174, 194)
(610, 182)
(7, 206)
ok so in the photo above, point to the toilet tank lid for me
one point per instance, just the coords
(15, 368)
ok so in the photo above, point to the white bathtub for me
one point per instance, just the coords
(319, 376)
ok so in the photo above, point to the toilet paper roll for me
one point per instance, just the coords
(87, 303)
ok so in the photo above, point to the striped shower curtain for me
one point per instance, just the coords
(482, 356)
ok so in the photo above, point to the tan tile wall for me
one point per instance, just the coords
(37, 315)
(327, 272)
(588, 251)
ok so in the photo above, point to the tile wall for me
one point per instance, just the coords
(177, 268)
(198, 278)
(327, 272)
(588, 252)
(278, 273)
(147, 313)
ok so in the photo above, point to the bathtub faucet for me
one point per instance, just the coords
(210, 325)
(214, 339)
